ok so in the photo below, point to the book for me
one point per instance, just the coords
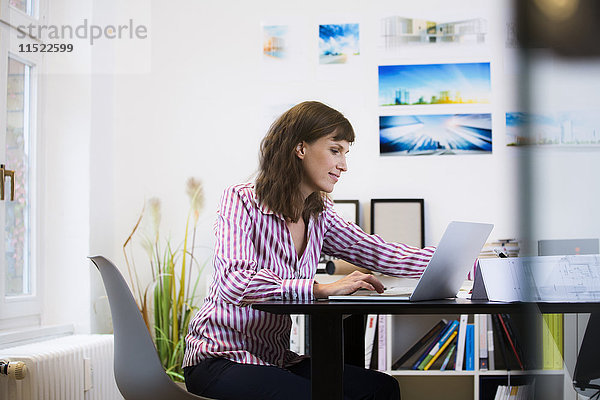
(460, 346)
(374, 353)
(430, 346)
(547, 342)
(437, 365)
(483, 342)
(504, 392)
(307, 334)
(559, 340)
(490, 343)
(510, 339)
(552, 341)
(420, 343)
(527, 363)
(448, 356)
(382, 343)
(452, 363)
(441, 350)
(501, 342)
(517, 341)
(369, 338)
(437, 346)
(470, 348)
(297, 334)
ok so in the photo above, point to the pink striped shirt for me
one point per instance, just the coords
(255, 260)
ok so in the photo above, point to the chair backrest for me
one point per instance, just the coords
(138, 371)
(586, 377)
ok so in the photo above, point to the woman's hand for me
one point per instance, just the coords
(347, 285)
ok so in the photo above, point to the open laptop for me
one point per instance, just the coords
(447, 269)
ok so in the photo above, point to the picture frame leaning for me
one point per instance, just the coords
(399, 220)
(348, 209)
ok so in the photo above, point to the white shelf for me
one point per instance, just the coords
(558, 372)
(404, 330)
(430, 373)
(408, 372)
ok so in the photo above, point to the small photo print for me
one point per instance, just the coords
(425, 84)
(338, 44)
(443, 134)
(397, 32)
(566, 128)
(275, 41)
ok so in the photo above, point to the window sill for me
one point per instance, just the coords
(23, 336)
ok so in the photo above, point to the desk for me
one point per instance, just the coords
(326, 334)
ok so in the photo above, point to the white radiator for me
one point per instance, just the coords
(78, 367)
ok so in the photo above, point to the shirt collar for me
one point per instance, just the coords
(264, 208)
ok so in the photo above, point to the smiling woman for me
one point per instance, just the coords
(283, 148)
(270, 235)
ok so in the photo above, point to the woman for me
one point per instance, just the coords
(269, 238)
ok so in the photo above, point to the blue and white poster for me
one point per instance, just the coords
(408, 135)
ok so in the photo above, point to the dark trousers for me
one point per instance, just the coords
(222, 379)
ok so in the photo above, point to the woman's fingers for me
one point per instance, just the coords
(350, 284)
(375, 283)
(366, 281)
(364, 285)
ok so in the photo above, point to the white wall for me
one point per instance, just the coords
(195, 99)
(205, 101)
(66, 115)
(200, 111)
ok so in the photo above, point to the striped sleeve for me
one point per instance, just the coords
(349, 242)
(239, 278)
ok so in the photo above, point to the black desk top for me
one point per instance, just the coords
(447, 306)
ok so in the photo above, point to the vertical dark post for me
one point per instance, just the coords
(327, 358)
(354, 340)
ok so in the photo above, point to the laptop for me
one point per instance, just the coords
(444, 275)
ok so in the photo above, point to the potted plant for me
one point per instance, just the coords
(169, 301)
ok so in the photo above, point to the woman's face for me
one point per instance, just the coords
(323, 161)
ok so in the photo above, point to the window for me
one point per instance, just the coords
(19, 82)
(17, 249)
(25, 6)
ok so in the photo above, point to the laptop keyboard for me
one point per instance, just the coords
(399, 290)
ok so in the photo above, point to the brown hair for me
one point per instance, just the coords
(280, 172)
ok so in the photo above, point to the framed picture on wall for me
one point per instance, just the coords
(399, 220)
(348, 210)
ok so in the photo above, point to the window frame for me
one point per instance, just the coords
(23, 310)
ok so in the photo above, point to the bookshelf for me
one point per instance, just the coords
(402, 331)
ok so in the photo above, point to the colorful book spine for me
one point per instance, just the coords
(552, 341)
(460, 345)
(561, 344)
(470, 348)
(430, 346)
(422, 342)
(448, 357)
(547, 342)
(441, 350)
(436, 348)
